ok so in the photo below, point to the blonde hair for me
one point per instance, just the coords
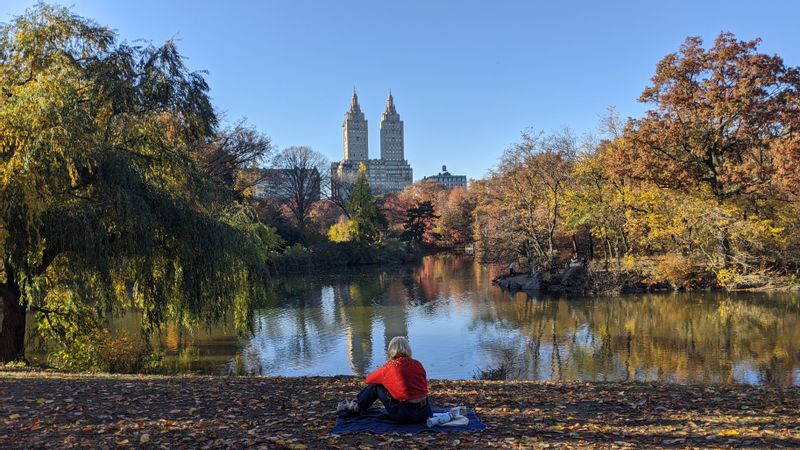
(398, 346)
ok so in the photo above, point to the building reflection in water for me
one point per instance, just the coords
(459, 323)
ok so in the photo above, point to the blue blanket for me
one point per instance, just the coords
(376, 421)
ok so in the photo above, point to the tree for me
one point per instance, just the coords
(599, 200)
(366, 220)
(520, 208)
(419, 221)
(233, 155)
(340, 231)
(341, 187)
(298, 180)
(455, 221)
(718, 116)
(394, 208)
(100, 197)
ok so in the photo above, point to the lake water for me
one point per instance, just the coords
(459, 324)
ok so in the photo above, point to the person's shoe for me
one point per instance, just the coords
(347, 408)
(342, 407)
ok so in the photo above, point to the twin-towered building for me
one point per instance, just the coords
(390, 173)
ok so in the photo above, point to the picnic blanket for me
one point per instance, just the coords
(377, 421)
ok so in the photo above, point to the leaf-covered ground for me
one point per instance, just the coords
(40, 409)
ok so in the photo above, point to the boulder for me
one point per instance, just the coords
(519, 283)
(575, 279)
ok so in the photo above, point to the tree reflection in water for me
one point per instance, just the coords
(457, 322)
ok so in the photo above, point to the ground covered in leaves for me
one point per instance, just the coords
(42, 409)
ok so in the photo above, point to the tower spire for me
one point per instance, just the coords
(390, 109)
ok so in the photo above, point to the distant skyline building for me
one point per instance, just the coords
(277, 184)
(448, 180)
(390, 173)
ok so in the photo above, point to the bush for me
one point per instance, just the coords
(679, 272)
(794, 280)
(105, 352)
(294, 257)
(340, 254)
(729, 278)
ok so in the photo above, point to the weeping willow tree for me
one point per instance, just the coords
(104, 204)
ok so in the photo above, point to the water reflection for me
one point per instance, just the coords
(458, 323)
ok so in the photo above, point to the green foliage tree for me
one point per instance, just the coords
(419, 221)
(103, 204)
(367, 222)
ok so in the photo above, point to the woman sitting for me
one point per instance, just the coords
(401, 385)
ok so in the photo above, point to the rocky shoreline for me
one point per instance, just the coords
(59, 410)
(580, 279)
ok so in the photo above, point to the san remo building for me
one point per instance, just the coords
(390, 173)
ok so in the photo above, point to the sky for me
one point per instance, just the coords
(467, 77)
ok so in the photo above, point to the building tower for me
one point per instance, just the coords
(391, 133)
(354, 131)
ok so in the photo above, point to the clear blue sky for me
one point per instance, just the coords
(467, 76)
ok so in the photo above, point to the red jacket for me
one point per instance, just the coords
(403, 377)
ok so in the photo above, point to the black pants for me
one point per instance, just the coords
(402, 412)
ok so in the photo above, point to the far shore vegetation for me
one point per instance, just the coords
(121, 189)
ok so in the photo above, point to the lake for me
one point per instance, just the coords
(459, 324)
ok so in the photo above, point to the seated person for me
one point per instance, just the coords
(401, 385)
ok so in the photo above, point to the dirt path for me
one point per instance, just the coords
(111, 411)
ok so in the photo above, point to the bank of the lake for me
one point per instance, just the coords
(48, 409)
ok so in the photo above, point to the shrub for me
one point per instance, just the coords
(679, 271)
(294, 257)
(105, 352)
(728, 278)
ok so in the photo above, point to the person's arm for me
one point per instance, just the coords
(376, 377)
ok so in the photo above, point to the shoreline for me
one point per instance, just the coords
(68, 410)
(520, 282)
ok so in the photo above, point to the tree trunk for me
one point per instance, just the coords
(725, 247)
(12, 335)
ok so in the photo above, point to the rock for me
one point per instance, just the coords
(532, 284)
(519, 282)
(575, 279)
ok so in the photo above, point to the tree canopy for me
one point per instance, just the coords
(103, 201)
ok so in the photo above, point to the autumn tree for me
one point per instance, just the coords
(421, 191)
(455, 209)
(100, 194)
(523, 200)
(394, 208)
(233, 156)
(717, 116)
